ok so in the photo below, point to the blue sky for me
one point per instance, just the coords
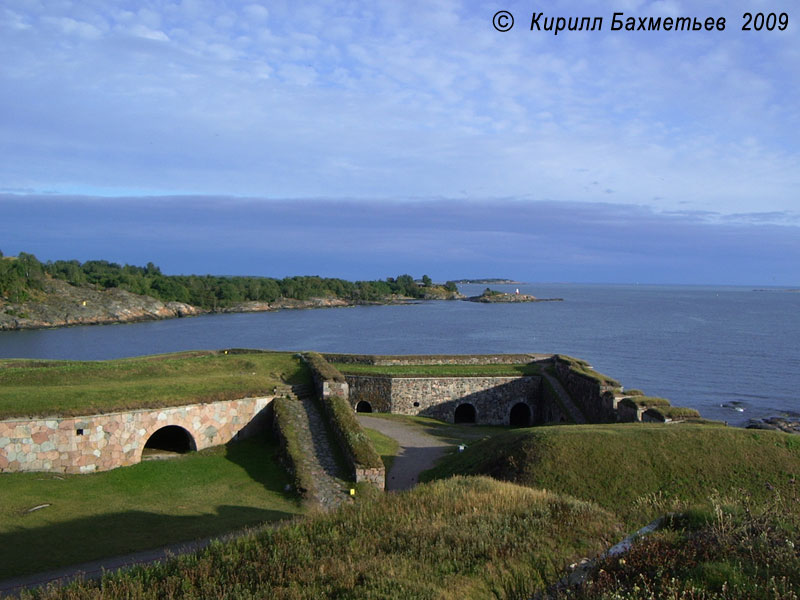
(364, 139)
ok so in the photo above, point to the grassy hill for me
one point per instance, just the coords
(464, 538)
(638, 471)
(69, 388)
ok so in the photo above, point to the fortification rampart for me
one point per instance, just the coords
(438, 359)
(491, 398)
(102, 442)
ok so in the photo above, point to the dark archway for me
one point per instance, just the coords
(169, 440)
(465, 413)
(520, 415)
(364, 407)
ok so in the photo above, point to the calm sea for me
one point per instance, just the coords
(715, 349)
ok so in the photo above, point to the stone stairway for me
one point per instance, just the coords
(332, 487)
(574, 411)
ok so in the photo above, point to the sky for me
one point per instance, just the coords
(367, 139)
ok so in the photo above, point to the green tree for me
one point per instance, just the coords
(427, 281)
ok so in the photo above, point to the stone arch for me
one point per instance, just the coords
(364, 407)
(171, 439)
(520, 415)
(465, 413)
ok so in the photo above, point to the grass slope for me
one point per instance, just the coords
(637, 471)
(386, 447)
(148, 505)
(462, 538)
(71, 388)
(439, 370)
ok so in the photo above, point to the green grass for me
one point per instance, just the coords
(385, 446)
(465, 538)
(637, 471)
(581, 367)
(72, 388)
(352, 438)
(439, 370)
(289, 417)
(739, 550)
(645, 401)
(148, 505)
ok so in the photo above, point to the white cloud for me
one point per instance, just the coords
(383, 99)
(256, 12)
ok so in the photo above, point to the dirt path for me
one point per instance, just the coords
(418, 451)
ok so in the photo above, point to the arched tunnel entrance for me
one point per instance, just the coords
(520, 415)
(465, 413)
(364, 407)
(168, 440)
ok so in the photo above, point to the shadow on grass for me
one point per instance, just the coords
(28, 551)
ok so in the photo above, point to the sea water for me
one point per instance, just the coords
(733, 353)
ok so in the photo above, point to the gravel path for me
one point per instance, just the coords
(418, 451)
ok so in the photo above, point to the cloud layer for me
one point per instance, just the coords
(355, 239)
(393, 101)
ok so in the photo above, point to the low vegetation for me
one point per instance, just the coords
(323, 369)
(501, 370)
(645, 402)
(86, 517)
(288, 415)
(462, 538)
(345, 425)
(739, 549)
(31, 388)
(583, 368)
(385, 446)
(638, 471)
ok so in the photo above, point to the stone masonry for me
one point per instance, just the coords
(438, 397)
(102, 442)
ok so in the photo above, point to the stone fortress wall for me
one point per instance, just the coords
(439, 397)
(101, 442)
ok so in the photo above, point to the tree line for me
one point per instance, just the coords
(22, 276)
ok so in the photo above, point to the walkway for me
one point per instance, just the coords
(319, 457)
(332, 487)
(418, 451)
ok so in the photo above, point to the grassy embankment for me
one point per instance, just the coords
(31, 388)
(638, 471)
(475, 537)
(385, 446)
(134, 508)
(462, 538)
(150, 504)
(509, 370)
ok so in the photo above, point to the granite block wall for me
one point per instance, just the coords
(102, 442)
(439, 397)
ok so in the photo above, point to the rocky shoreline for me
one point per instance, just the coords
(787, 424)
(63, 305)
(500, 298)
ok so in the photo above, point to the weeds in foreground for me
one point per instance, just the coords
(737, 550)
(456, 539)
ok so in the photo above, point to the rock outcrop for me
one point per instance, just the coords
(62, 304)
